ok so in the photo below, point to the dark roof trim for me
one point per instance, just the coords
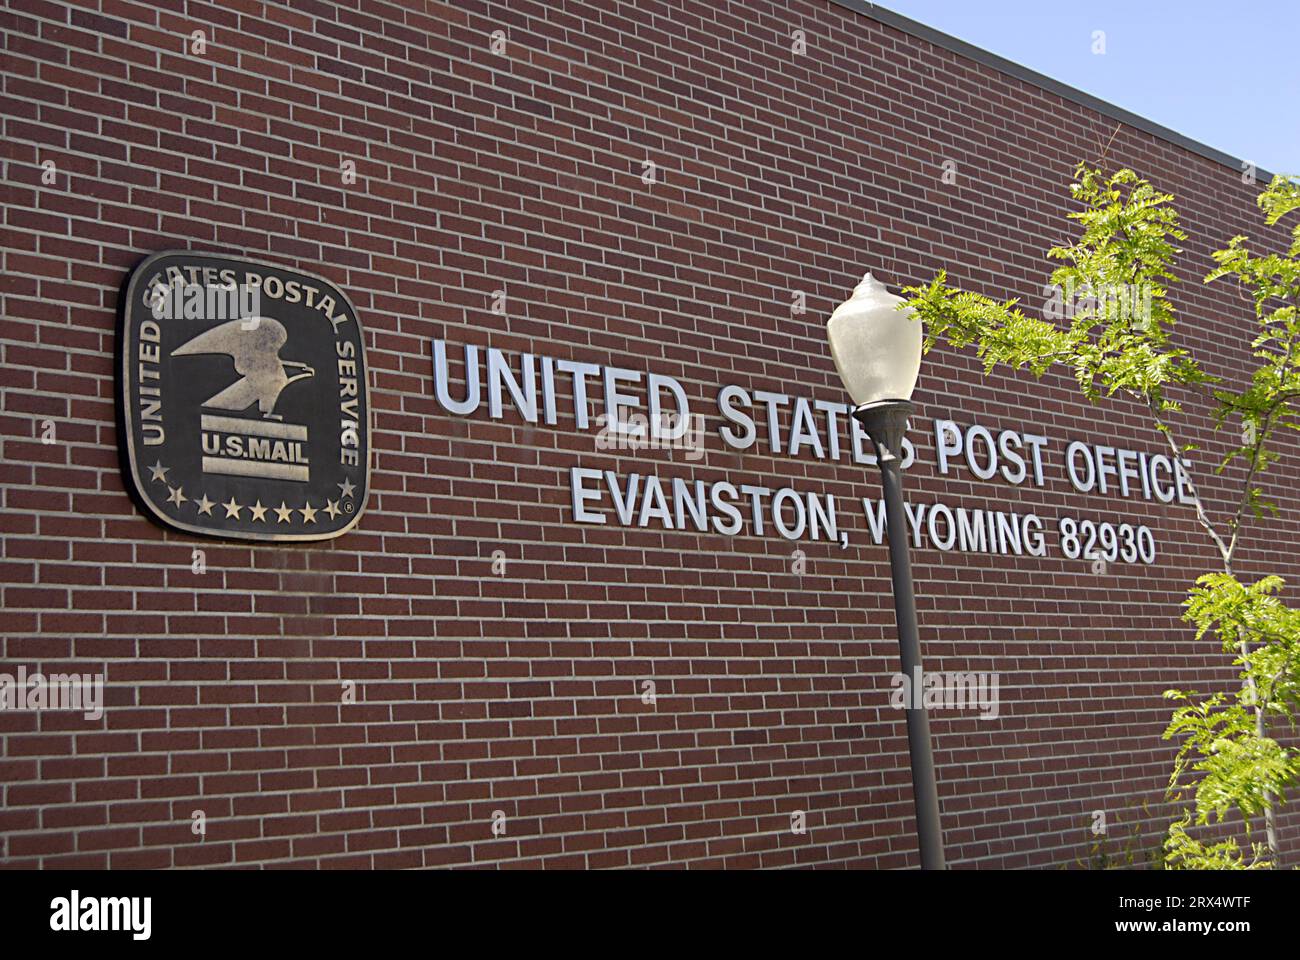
(979, 55)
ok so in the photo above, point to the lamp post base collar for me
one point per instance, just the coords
(885, 422)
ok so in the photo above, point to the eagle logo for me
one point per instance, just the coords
(254, 345)
(210, 445)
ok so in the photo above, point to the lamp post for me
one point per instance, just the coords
(877, 351)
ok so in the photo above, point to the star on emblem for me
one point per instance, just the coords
(332, 508)
(159, 472)
(177, 495)
(347, 486)
(232, 509)
(259, 511)
(308, 513)
(283, 513)
(205, 505)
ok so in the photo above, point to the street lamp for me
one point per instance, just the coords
(877, 351)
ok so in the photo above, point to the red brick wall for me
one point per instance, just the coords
(476, 171)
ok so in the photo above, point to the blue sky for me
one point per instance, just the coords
(1226, 74)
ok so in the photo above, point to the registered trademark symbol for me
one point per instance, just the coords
(347, 507)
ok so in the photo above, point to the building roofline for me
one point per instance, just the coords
(1065, 91)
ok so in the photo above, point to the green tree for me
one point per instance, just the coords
(1109, 322)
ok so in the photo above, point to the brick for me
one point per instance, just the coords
(521, 693)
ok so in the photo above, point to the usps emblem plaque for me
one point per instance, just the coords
(242, 397)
